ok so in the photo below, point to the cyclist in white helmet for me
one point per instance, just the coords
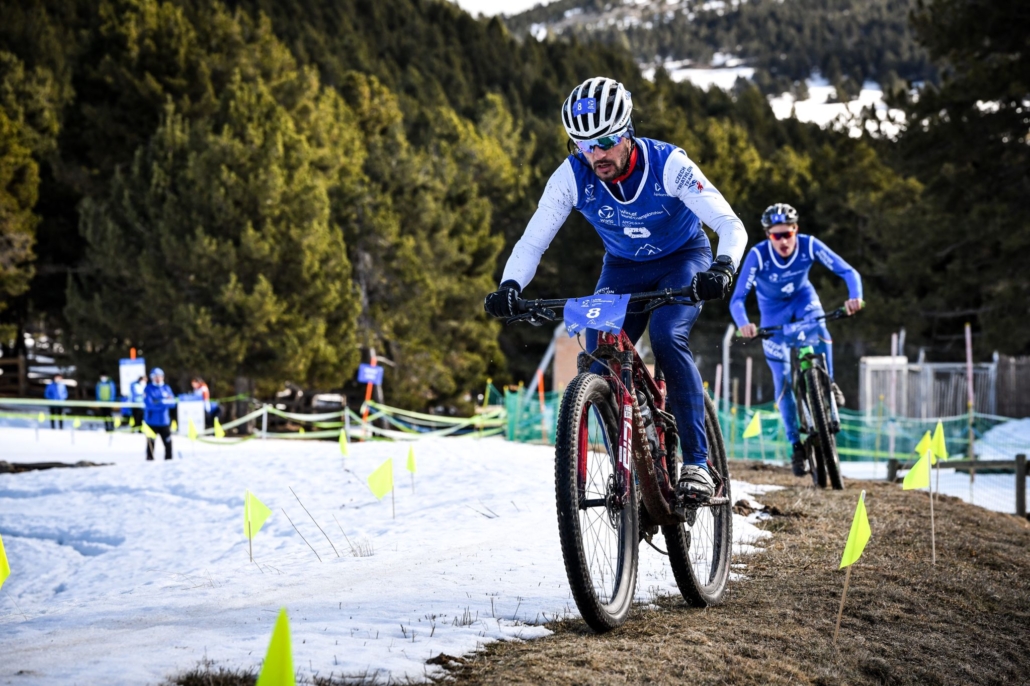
(647, 201)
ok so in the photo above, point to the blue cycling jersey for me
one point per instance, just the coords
(780, 282)
(652, 222)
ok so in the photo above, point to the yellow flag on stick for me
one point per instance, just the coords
(919, 475)
(344, 449)
(754, 427)
(302, 431)
(5, 568)
(76, 423)
(858, 536)
(175, 427)
(219, 431)
(117, 421)
(191, 430)
(277, 669)
(41, 418)
(411, 459)
(925, 443)
(132, 421)
(148, 432)
(381, 480)
(255, 513)
(940, 451)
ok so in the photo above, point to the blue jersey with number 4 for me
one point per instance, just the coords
(654, 221)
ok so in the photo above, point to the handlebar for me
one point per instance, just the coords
(769, 331)
(536, 312)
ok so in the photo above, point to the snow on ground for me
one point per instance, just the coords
(991, 491)
(723, 74)
(133, 572)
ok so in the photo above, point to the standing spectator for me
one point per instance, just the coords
(56, 390)
(136, 390)
(157, 399)
(201, 391)
(106, 392)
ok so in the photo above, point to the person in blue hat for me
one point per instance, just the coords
(56, 390)
(158, 399)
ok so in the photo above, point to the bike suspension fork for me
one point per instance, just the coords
(626, 432)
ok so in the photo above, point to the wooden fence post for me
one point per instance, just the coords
(1021, 485)
(892, 469)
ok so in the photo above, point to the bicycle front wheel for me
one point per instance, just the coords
(827, 443)
(700, 549)
(598, 532)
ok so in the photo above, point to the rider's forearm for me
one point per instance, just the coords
(553, 209)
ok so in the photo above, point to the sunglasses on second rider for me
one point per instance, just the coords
(781, 235)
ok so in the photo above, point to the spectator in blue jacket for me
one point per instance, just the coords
(157, 400)
(56, 390)
(136, 390)
(106, 392)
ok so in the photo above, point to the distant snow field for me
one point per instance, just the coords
(816, 109)
(133, 572)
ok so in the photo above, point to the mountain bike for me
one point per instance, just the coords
(616, 468)
(818, 414)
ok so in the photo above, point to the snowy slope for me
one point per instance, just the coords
(133, 572)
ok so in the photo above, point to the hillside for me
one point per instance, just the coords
(847, 41)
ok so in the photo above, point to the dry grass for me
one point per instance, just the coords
(966, 620)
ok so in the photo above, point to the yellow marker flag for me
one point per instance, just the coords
(411, 459)
(219, 431)
(919, 475)
(41, 418)
(76, 423)
(381, 480)
(940, 450)
(278, 667)
(344, 448)
(302, 431)
(132, 421)
(925, 443)
(117, 421)
(858, 536)
(5, 568)
(255, 513)
(175, 427)
(191, 430)
(148, 432)
(754, 427)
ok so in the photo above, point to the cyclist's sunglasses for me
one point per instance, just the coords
(782, 235)
(604, 142)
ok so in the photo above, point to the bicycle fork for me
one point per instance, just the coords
(626, 428)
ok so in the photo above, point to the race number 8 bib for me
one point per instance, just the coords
(598, 312)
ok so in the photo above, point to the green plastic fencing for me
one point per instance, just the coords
(862, 437)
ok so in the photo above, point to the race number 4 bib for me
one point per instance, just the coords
(598, 312)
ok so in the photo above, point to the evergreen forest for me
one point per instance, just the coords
(265, 190)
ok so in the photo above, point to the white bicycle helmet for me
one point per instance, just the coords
(597, 107)
(780, 213)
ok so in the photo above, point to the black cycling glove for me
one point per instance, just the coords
(501, 303)
(715, 283)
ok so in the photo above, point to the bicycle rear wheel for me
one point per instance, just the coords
(598, 535)
(699, 550)
(827, 444)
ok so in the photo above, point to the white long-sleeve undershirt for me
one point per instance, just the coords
(560, 197)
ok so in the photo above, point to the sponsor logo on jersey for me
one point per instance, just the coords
(684, 177)
(589, 191)
(697, 187)
(606, 213)
(648, 249)
(788, 289)
(775, 350)
(636, 232)
(824, 257)
(774, 277)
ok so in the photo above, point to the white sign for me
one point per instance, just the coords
(128, 371)
(187, 410)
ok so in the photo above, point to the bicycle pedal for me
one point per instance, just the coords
(686, 514)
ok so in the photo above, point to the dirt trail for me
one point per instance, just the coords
(967, 620)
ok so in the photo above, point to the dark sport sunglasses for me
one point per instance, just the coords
(781, 235)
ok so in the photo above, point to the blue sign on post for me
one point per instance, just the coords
(598, 312)
(369, 374)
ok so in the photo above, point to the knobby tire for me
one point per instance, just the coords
(817, 401)
(599, 544)
(699, 554)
